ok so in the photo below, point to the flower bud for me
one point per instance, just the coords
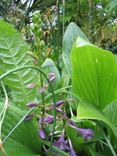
(30, 105)
(42, 90)
(29, 117)
(51, 76)
(87, 134)
(59, 103)
(30, 86)
(42, 133)
(49, 119)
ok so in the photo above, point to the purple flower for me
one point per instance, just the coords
(30, 105)
(42, 90)
(52, 77)
(42, 133)
(59, 103)
(72, 152)
(32, 85)
(86, 133)
(29, 117)
(61, 143)
(52, 107)
(72, 123)
(58, 110)
(49, 119)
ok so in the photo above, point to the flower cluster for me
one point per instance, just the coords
(46, 118)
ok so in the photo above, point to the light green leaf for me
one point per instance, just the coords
(70, 36)
(64, 78)
(13, 54)
(94, 74)
(24, 141)
(111, 113)
(112, 5)
(90, 111)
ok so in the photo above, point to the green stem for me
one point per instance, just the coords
(107, 140)
(22, 119)
(109, 144)
(54, 101)
(42, 96)
(62, 153)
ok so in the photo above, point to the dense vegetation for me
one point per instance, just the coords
(58, 78)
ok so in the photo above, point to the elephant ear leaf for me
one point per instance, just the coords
(90, 111)
(24, 140)
(13, 54)
(70, 36)
(94, 74)
(94, 79)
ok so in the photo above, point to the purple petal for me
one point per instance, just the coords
(72, 152)
(59, 103)
(49, 119)
(30, 105)
(41, 120)
(86, 133)
(52, 79)
(41, 90)
(30, 86)
(42, 133)
(29, 117)
(52, 107)
(72, 123)
(50, 75)
(61, 143)
(58, 110)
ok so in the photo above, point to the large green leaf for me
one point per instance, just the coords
(94, 81)
(13, 54)
(94, 74)
(24, 141)
(90, 111)
(70, 36)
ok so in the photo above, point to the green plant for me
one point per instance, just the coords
(50, 114)
(94, 79)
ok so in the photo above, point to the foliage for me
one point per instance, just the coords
(13, 54)
(70, 36)
(24, 141)
(58, 97)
